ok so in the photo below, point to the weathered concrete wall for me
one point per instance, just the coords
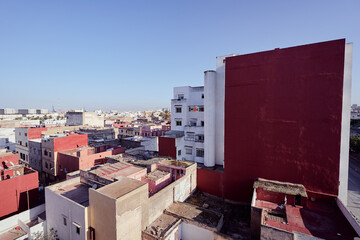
(192, 232)
(270, 233)
(102, 211)
(59, 207)
(176, 191)
(256, 220)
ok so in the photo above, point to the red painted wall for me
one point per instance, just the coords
(70, 142)
(210, 182)
(35, 133)
(167, 147)
(86, 160)
(14, 195)
(14, 158)
(283, 118)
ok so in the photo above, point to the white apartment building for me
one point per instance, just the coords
(187, 116)
(21, 145)
(7, 138)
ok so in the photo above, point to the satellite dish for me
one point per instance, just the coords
(94, 186)
(18, 173)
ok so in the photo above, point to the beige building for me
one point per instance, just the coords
(110, 201)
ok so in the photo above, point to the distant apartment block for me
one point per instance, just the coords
(42, 111)
(84, 118)
(99, 134)
(26, 111)
(7, 111)
(187, 123)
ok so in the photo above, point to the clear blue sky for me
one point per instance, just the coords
(129, 55)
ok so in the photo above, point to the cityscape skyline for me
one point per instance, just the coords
(92, 55)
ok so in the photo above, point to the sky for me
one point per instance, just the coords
(128, 55)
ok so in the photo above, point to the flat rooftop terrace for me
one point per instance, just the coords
(161, 226)
(323, 221)
(156, 175)
(121, 187)
(75, 191)
(203, 217)
(236, 216)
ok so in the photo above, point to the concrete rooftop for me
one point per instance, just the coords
(121, 187)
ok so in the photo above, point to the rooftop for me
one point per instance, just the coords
(280, 187)
(176, 163)
(322, 221)
(74, 190)
(4, 152)
(162, 225)
(73, 151)
(236, 216)
(141, 163)
(156, 175)
(121, 187)
(205, 218)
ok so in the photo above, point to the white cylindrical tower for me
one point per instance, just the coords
(209, 119)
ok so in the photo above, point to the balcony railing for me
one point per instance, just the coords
(189, 138)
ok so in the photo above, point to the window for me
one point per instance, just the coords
(202, 123)
(178, 123)
(20, 142)
(49, 153)
(178, 109)
(179, 152)
(180, 96)
(188, 151)
(64, 221)
(45, 152)
(6, 140)
(200, 138)
(77, 227)
(201, 109)
(202, 95)
(200, 152)
(26, 144)
(25, 134)
(46, 165)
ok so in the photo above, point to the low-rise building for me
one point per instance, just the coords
(35, 156)
(18, 185)
(84, 118)
(22, 137)
(51, 145)
(42, 111)
(83, 158)
(107, 203)
(7, 111)
(7, 138)
(285, 210)
(26, 111)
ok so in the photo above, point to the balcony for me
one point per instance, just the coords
(189, 139)
(178, 100)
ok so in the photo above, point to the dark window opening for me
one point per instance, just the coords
(298, 200)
